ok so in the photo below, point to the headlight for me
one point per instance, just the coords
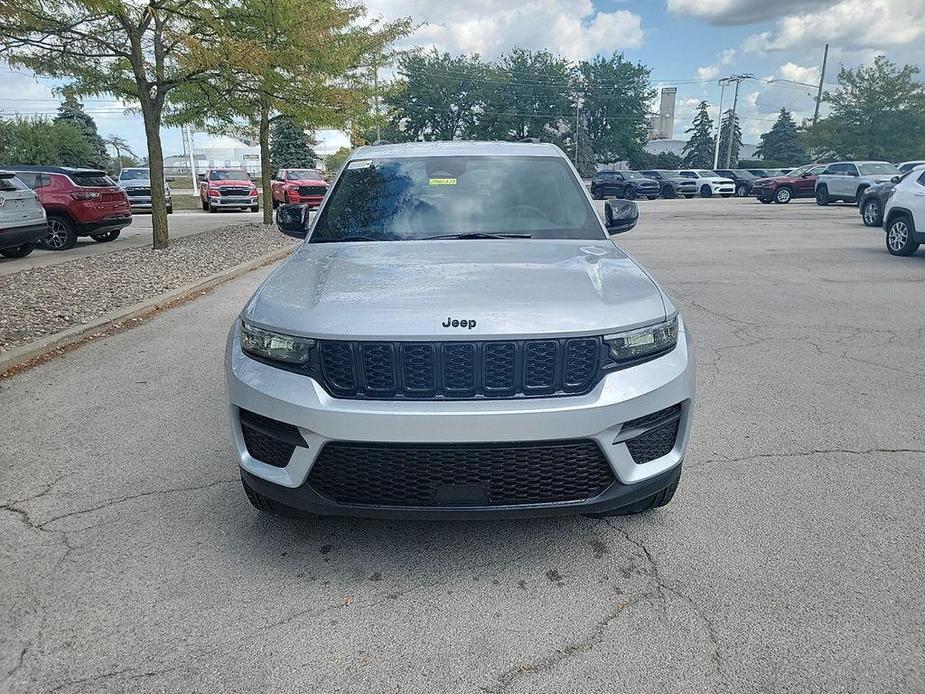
(636, 344)
(270, 345)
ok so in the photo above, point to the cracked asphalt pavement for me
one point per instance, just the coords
(790, 560)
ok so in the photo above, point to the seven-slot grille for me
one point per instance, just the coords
(138, 192)
(235, 191)
(312, 190)
(433, 370)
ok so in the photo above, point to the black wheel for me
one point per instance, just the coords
(169, 209)
(668, 192)
(61, 234)
(783, 195)
(872, 213)
(741, 191)
(899, 239)
(255, 208)
(205, 205)
(706, 192)
(629, 193)
(657, 500)
(689, 196)
(212, 208)
(266, 505)
(822, 196)
(276, 202)
(108, 236)
(17, 251)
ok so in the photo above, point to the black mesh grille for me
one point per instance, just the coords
(649, 419)
(460, 475)
(268, 440)
(312, 190)
(412, 370)
(138, 192)
(234, 191)
(658, 440)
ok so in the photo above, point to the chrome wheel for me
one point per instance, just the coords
(872, 213)
(58, 235)
(897, 236)
(783, 196)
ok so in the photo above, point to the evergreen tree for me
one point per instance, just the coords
(72, 111)
(586, 164)
(290, 147)
(781, 142)
(728, 158)
(698, 152)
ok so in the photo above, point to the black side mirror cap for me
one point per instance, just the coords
(292, 220)
(620, 216)
(895, 179)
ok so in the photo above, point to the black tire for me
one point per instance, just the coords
(822, 196)
(276, 202)
(267, 505)
(668, 192)
(725, 195)
(899, 240)
(657, 500)
(783, 195)
(741, 191)
(205, 205)
(872, 213)
(689, 196)
(651, 197)
(629, 193)
(706, 192)
(17, 251)
(61, 234)
(107, 237)
(764, 201)
(169, 209)
(858, 194)
(255, 208)
(212, 208)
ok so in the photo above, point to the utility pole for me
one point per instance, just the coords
(719, 121)
(376, 97)
(825, 58)
(732, 118)
(188, 133)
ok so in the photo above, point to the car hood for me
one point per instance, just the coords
(308, 182)
(408, 290)
(643, 181)
(231, 182)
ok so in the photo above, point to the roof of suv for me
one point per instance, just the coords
(458, 148)
(66, 170)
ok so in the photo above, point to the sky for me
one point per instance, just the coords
(690, 44)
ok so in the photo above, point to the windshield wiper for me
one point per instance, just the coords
(345, 239)
(479, 235)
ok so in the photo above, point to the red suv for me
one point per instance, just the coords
(298, 186)
(799, 183)
(79, 202)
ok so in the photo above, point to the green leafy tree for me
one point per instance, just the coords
(698, 152)
(334, 161)
(729, 125)
(308, 62)
(782, 142)
(44, 142)
(668, 160)
(71, 110)
(614, 95)
(290, 147)
(437, 96)
(138, 50)
(878, 112)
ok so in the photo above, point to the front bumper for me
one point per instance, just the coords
(145, 202)
(223, 201)
(620, 397)
(723, 188)
(310, 200)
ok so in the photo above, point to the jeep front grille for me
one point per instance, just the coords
(433, 370)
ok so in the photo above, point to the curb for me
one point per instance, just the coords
(24, 355)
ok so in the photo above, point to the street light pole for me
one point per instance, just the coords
(719, 121)
(825, 58)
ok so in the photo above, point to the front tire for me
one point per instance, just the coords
(689, 196)
(629, 193)
(742, 192)
(107, 237)
(706, 192)
(255, 208)
(872, 213)
(783, 196)
(822, 196)
(61, 234)
(212, 208)
(668, 192)
(17, 251)
(169, 209)
(899, 239)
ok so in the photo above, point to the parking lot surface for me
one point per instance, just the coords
(789, 561)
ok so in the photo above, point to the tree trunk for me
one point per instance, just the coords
(265, 164)
(152, 120)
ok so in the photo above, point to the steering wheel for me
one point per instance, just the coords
(530, 210)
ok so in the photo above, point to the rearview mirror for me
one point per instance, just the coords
(620, 216)
(292, 220)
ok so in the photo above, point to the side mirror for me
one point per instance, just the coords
(805, 174)
(292, 220)
(620, 216)
(896, 179)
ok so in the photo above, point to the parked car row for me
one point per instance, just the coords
(654, 183)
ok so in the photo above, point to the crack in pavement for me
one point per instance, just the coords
(816, 451)
(19, 662)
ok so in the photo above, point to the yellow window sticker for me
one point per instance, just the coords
(443, 181)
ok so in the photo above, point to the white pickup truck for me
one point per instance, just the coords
(847, 180)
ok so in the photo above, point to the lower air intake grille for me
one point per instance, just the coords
(660, 431)
(268, 440)
(462, 474)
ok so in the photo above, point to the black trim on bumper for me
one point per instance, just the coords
(101, 227)
(17, 236)
(616, 496)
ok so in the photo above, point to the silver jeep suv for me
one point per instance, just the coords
(459, 336)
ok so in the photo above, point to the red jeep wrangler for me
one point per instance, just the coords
(230, 188)
(295, 186)
(79, 202)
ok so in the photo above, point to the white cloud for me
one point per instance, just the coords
(853, 24)
(573, 29)
(726, 12)
(708, 72)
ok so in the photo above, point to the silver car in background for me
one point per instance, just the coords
(136, 182)
(23, 222)
(459, 336)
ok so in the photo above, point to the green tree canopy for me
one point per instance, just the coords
(878, 112)
(71, 110)
(290, 147)
(782, 143)
(334, 161)
(699, 150)
(44, 142)
(728, 157)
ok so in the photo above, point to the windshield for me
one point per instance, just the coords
(745, 175)
(228, 175)
(133, 175)
(881, 169)
(633, 174)
(303, 175)
(707, 174)
(420, 198)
